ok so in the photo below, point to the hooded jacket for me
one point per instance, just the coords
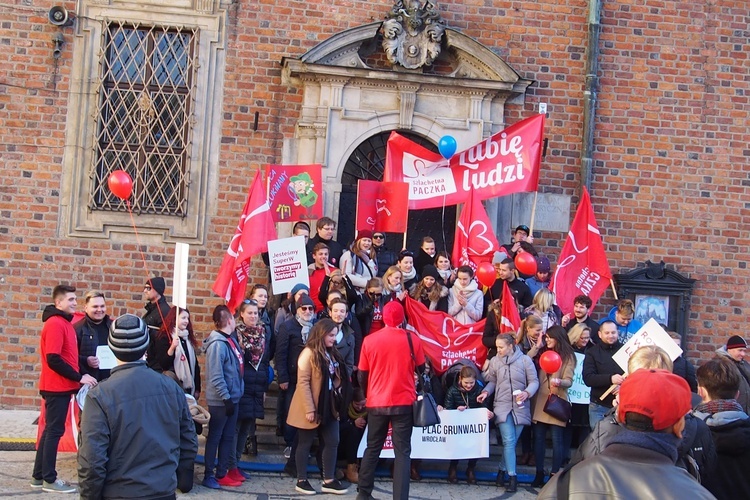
(744, 367)
(223, 380)
(505, 375)
(624, 332)
(730, 431)
(59, 352)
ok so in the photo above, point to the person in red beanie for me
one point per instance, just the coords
(386, 375)
(639, 462)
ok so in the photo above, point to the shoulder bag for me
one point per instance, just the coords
(424, 409)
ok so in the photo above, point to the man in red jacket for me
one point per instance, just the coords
(59, 379)
(386, 375)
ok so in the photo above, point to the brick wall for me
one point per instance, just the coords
(670, 178)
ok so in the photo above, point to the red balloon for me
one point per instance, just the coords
(120, 184)
(526, 263)
(550, 362)
(486, 274)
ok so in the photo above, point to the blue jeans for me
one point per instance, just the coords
(376, 433)
(220, 436)
(558, 447)
(596, 413)
(510, 432)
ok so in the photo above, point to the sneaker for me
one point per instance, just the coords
(235, 475)
(36, 483)
(59, 486)
(334, 487)
(228, 481)
(288, 452)
(211, 482)
(304, 487)
(241, 473)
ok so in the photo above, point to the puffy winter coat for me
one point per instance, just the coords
(505, 375)
(256, 383)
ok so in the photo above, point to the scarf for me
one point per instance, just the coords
(660, 442)
(354, 414)
(394, 290)
(184, 363)
(408, 276)
(253, 342)
(445, 274)
(465, 291)
(339, 333)
(306, 325)
(719, 405)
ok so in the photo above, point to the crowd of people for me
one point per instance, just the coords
(344, 361)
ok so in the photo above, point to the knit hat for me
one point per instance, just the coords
(365, 233)
(128, 338)
(736, 342)
(393, 314)
(158, 284)
(499, 257)
(542, 264)
(300, 286)
(430, 270)
(657, 394)
(305, 300)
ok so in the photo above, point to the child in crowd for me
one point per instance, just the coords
(351, 430)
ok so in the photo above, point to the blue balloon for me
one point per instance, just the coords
(447, 146)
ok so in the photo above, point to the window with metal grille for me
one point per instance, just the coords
(144, 117)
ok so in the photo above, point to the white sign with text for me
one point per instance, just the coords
(460, 434)
(579, 393)
(649, 334)
(287, 259)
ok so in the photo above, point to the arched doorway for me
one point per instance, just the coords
(366, 162)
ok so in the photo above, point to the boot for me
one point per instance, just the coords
(538, 479)
(352, 473)
(471, 478)
(512, 484)
(500, 480)
(251, 446)
(524, 459)
(452, 470)
(415, 475)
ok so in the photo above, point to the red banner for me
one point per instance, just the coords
(507, 162)
(475, 240)
(295, 192)
(583, 267)
(445, 340)
(254, 231)
(380, 206)
(69, 441)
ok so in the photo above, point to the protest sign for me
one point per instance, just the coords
(460, 434)
(579, 392)
(295, 192)
(649, 334)
(287, 259)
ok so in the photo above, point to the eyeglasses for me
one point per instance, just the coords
(377, 295)
(307, 308)
(147, 288)
(337, 282)
(252, 302)
(378, 237)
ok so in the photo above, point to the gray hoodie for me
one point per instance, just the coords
(507, 374)
(223, 379)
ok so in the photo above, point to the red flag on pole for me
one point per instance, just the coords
(511, 320)
(381, 206)
(583, 267)
(254, 231)
(475, 240)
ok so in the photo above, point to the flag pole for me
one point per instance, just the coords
(533, 215)
(612, 283)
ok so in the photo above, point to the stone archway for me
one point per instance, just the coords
(349, 95)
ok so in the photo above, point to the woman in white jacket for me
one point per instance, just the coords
(465, 301)
(359, 263)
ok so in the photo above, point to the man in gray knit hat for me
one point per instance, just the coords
(137, 434)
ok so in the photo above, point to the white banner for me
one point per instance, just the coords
(460, 434)
(287, 258)
(579, 392)
(649, 334)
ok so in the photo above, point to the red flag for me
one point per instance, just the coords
(254, 231)
(511, 320)
(507, 162)
(445, 340)
(475, 240)
(69, 441)
(381, 206)
(583, 267)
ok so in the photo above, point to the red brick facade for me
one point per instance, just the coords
(670, 178)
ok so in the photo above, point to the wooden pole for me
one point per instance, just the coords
(533, 215)
(612, 284)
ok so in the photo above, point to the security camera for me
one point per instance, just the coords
(58, 15)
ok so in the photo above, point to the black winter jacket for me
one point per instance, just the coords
(88, 341)
(288, 348)
(729, 479)
(137, 436)
(455, 397)
(256, 382)
(598, 368)
(153, 319)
